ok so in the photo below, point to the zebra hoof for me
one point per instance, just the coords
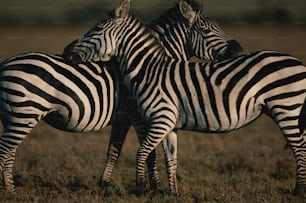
(107, 189)
(300, 190)
(10, 190)
(103, 184)
(173, 194)
(140, 188)
(104, 187)
(155, 186)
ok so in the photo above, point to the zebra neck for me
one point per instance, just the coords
(169, 37)
(168, 30)
(139, 58)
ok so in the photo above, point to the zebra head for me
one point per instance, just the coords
(206, 40)
(100, 42)
(184, 33)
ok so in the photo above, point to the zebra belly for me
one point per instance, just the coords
(208, 117)
(62, 122)
(59, 121)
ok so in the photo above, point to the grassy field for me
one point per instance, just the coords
(247, 165)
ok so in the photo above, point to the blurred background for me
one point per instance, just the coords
(48, 26)
(84, 12)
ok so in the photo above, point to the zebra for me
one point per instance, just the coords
(209, 97)
(76, 98)
(177, 24)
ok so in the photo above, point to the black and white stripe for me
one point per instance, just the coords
(197, 36)
(36, 86)
(75, 98)
(209, 97)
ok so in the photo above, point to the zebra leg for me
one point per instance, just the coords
(141, 127)
(7, 174)
(170, 152)
(14, 133)
(300, 155)
(118, 135)
(298, 146)
(143, 156)
(293, 130)
(152, 170)
(158, 129)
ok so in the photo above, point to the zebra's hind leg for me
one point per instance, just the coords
(170, 152)
(300, 155)
(141, 128)
(13, 135)
(149, 144)
(7, 172)
(152, 170)
(160, 124)
(118, 135)
(296, 141)
(299, 151)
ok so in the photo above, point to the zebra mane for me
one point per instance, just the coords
(148, 30)
(173, 16)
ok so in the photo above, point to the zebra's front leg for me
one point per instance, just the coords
(117, 138)
(170, 152)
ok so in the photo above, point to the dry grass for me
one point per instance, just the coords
(248, 165)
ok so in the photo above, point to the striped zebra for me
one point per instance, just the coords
(184, 32)
(207, 97)
(82, 98)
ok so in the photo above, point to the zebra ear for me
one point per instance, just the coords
(187, 11)
(123, 9)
